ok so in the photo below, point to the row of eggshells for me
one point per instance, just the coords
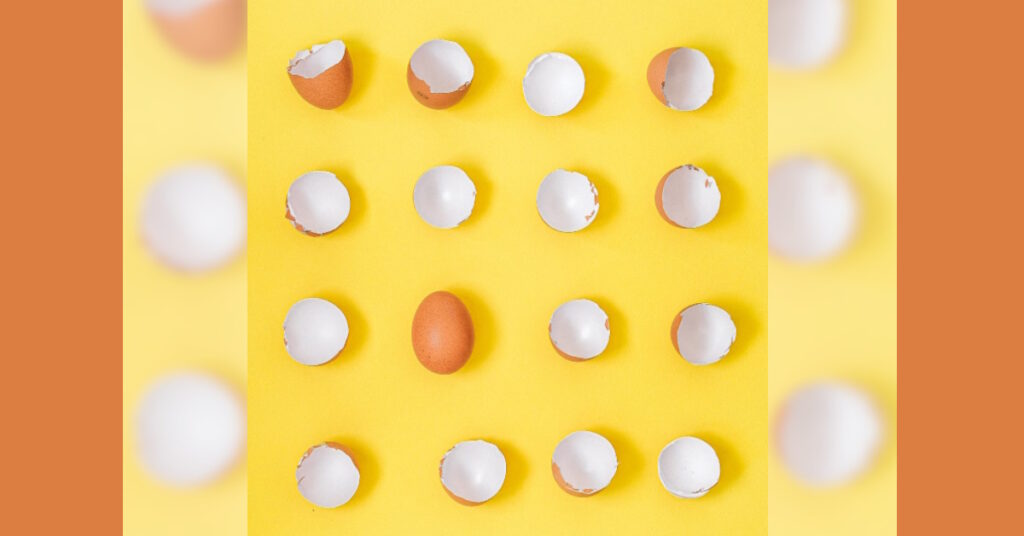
(473, 472)
(318, 203)
(440, 73)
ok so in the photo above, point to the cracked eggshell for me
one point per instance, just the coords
(444, 197)
(190, 429)
(472, 472)
(327, 475)
(584, 463)
(688, 467)
(688, 197)
(579, 330)
(812, 209)
(703, 333)
(193, 218)
(439, 74)
(315, 331)
(442, 333)
(317, 203)
(567, 201)
(201, 29)
(828, 433)
(681, 78)
(553, 84)
(322, 74)
(804, 34)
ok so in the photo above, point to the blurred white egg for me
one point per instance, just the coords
(567, 201)
(804, 34)
(473, 471)
(327, 475)
(681, 78)
(812, 209)
(193, 218)
(828, 433)
(190, 429)
(317, 203)
(315, 331)
(553, 84)
(579, 330)
(444, 196)
(584, 463)
(688, 197)
(688, 467)
(703, 333)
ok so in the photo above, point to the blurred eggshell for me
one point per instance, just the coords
(567, 201)
(322, 74)
(472, 472)
(190, 429)
(804, 34)
(681, 78)
(439, 74)
(442, 333)
(688, 467)
(579, 330)
(703, 333)
(553, 84)
(813, 210)
(317, 203)
(327, 475)
(315, 331)
(584, 463)
(202, 29)
(444, 196)
(688, 197)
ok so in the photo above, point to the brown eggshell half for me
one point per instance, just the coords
(659, 198)
(568, 487)
(437, 101)
(442, 333)
(329, 89)
(209, 33)
(656, 73)
(454, 497)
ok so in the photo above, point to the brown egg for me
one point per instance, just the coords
(202, 29)
(442, 333)
(439, 74)
(322, 74)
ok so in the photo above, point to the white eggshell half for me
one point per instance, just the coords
(327, 476)
(689, 79)
(444, 196)
(553, 84)
(312, 62)
(193, 218)
(704, 334)
(190, 429)
(812, 209)
(690, 197)
(804, 34)
(473, 471)
(315, 331)
(586, 461)
(443, 65)
(579, 328)
(688, 467)
(567, 201)
(318, 202)
(828, 433)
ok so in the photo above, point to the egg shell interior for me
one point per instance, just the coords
(327, 475)
(689, 79)
(579, 329)
(567, 201)
(473, 472)
(688, 467)
(703, 333)
(317, 203)
(315, 331)
(584, 463)
(444, 196)
(443, 65)
(688, 197)
(553, 84)
(813, 210)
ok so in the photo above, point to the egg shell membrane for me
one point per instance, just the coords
(659, 195)
(574, 359)
(456, 498)
(586, 217)
(208, 33)
(290, 217)
(557, 473)
(438, 101)
(329, 89)
(333, 445)
(442, 333)
(656, 74)
(695, 494)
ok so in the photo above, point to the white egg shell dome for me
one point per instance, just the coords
(579, 329)
(567, 201)
(473, 471)
(327, 476)
(315, 331)
(812, 209)
(584, 463)
(804, 34)
(318, 203)
(689, 79)
(828, 433)
(190, 429)
(703, 333)
(444, 196)
(689, 197)
(193, 218)
(553, 84)
(688, 467)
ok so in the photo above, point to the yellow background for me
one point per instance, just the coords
(510, 269)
